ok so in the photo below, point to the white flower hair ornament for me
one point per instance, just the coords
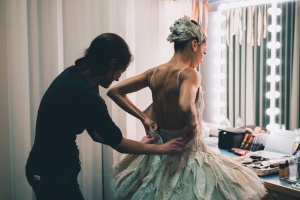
(184, 29)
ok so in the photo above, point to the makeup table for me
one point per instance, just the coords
(277, 189)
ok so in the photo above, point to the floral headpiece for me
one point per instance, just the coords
(184, 29)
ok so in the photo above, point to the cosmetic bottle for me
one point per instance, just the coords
(298, 165)
(281, 170)
(286, 169)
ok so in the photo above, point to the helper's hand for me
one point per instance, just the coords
(147, 140)
(173, 146)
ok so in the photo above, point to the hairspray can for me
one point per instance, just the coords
(298, 165)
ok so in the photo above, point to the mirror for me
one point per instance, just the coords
(257, 64)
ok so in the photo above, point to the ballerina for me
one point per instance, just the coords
(177, 108)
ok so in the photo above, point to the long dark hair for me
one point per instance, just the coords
(102, 50)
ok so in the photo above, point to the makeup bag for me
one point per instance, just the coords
(230, 138)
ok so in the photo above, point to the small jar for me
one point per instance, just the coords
(281, 170)
(286, 169)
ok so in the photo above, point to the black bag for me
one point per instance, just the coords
(230, 138)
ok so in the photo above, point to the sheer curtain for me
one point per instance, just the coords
(44, 37)
(246, 54)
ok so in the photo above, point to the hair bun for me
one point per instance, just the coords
(184, 29)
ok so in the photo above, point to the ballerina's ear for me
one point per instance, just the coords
(194, 44)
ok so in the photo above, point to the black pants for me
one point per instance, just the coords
(53, 187)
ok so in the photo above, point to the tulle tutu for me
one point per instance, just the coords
(195, 173)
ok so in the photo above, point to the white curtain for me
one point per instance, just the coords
(44, 37)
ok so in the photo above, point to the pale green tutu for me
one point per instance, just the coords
(195, 173)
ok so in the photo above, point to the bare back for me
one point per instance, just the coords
(164, 84)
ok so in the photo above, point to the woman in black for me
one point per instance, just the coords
(71, 105)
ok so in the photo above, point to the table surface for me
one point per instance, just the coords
(271, 181)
